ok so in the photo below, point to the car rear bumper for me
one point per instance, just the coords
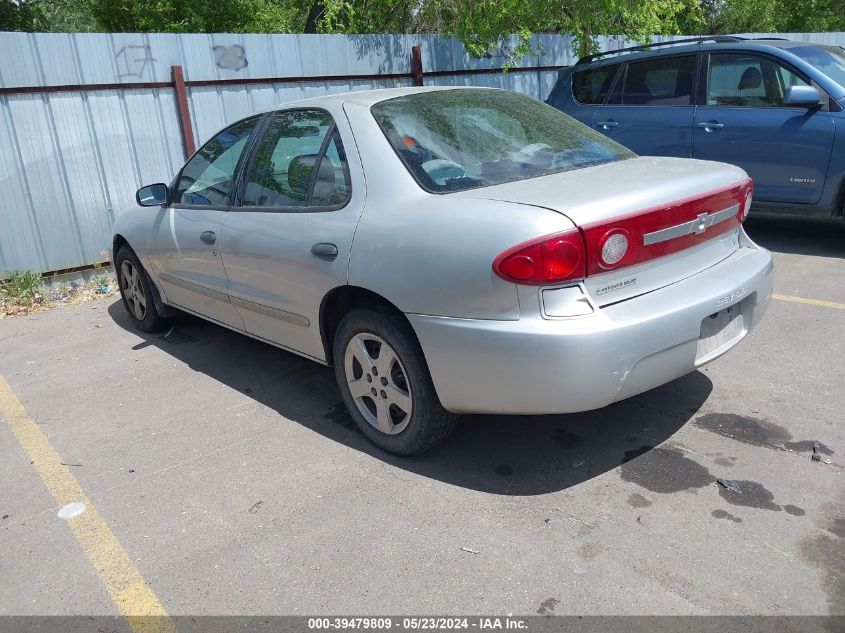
(537, 365)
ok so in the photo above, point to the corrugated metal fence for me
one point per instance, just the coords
(88, 118)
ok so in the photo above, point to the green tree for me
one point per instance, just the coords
(196, 16)
(483, 24)
(775, 16)
(21, 15)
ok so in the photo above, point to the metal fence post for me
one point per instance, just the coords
(416, 64)
(184, 114)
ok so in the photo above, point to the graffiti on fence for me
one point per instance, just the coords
(502, 50)
(133, 60)
(230, 57)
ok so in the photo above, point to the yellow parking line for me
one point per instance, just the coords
(812, 302)
(132, 596)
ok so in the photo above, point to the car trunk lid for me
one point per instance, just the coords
(678, 217)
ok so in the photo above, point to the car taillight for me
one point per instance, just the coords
(651, 233)
(614, 247)
(547, 260)
(745, 208)
(626, 240)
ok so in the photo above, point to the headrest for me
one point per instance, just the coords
(751, 78)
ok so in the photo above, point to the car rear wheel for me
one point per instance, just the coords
(385, 383)
(136, 291)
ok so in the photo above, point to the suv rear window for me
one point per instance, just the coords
(590, 87)
(664, 81)
(454, 140)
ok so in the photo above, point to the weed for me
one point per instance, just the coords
(23, 287)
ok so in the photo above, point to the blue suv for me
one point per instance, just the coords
(773, 107)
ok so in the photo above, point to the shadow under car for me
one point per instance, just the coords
(507, 455)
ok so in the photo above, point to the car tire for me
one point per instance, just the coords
(136, 291)
(381, 373)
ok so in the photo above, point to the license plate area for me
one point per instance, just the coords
(721, 330)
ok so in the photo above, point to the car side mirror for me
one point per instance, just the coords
(802, 97)
(152, 195)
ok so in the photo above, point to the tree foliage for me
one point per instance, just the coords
(481, 25)
(776, 16)
(20, 16)
(196, 16)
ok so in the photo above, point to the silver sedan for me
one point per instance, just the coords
(450, 250)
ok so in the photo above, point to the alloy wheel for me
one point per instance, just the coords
(378, 383)
(133, 290)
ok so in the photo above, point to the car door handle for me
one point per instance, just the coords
(324, 250)
(606, 125)
(208, 237)
(710, 125)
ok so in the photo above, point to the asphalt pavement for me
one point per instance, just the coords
(226, 474)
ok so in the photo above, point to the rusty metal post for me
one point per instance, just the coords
(184, 113)
(416, 64)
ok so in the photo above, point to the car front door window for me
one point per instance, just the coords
(207, 178)
(748, 81)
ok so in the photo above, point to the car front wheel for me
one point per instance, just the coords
(136, 291)
(385, 383)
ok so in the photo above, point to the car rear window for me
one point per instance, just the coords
(454, 140)
(590, 87)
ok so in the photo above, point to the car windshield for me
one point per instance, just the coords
(453, 140)
(828, 59)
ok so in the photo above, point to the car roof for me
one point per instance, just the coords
(367, 97)
(763, 44)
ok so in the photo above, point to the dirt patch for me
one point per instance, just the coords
(547, 607)
(751, 495)
(755, 432)
(794, 510)
(57, 295)
(724, 514)
(664, 470)
(638, 501)
(827, 553)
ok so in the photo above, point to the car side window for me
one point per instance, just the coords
(664, 81)
(331, 184)
(590, 87)
(207, 178)
(748, 81)
(296, 165)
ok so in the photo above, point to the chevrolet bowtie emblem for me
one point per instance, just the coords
(697, 226)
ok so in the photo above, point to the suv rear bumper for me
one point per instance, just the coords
(538, 366)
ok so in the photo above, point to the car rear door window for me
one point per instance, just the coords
(206, 180)
(749, 81)
(665, 81)
(331, 184)
(298, 162)
(590, 87)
